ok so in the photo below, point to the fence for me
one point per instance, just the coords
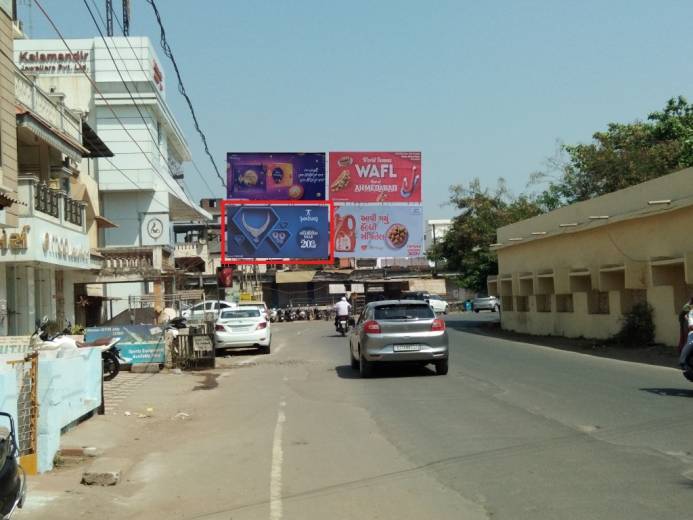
(193, 351)
(27, 406)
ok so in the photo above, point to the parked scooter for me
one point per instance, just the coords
(302, 314)
(273, 315)
(12, 476)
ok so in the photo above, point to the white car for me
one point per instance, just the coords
(197, 312)
(242, 328)
(437, 304)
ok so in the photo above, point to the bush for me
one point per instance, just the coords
(638, 327)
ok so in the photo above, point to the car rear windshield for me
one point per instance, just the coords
(240, 313)
(403, 312)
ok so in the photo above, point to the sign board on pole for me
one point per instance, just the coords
(271, 232)
(378, 231)
(276, 176)
(383, 177)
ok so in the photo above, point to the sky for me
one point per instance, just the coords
(482, 89)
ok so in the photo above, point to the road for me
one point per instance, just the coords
(514, 431)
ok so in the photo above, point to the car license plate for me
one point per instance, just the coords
(406, 348)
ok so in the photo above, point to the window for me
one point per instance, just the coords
(507, 303)
(522, 303)
(210, 305)
(598, 302)
(564, 303)
(403, 312)
(239, 314)
(543, 302)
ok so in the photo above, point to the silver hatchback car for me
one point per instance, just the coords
(398, 330)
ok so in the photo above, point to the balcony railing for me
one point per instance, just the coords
(41, 104)
(145, 260)
(47, 200)
(73, 211)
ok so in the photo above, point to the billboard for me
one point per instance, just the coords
(384, 177)
(269, 232)
(378, 231)
(138, 343)
(276, 176)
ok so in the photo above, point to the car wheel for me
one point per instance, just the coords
(441, 367)
(365, 367)
(265, 350)
(354, 361)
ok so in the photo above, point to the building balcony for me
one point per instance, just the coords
(44, 105)
(49, 204)
(135, 263)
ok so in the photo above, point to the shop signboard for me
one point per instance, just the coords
(378, 231)
(384, 177)
(276, 176)
(270, 232)
(138, 343)
(337, 288)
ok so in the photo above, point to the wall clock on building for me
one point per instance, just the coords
(155, 228)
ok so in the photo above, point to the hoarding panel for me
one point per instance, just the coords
(378, 231)
(383, 177)
(276, 176)
(276, 232)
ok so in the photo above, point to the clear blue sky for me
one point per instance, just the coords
(483, 89)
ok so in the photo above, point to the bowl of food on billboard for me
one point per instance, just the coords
(384, 177)
(276, 176)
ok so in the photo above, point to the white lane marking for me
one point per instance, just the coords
(276, 506)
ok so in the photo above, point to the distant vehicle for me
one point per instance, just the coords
(242, 328)
(198, 311)
(486, 303)
(437, 303)
(262, 306)
(398, 330)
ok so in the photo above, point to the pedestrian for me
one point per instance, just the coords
(686, 317)
(683, 323)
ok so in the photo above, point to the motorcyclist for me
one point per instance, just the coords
(342, 309)
(688, 347)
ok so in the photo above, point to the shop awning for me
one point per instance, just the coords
(55, 138)
(295, 276)
(7, 198)
(104, 223)
(96, 147)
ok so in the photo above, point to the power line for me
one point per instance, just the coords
(139, 64)
(181, 88)
(96, 88)
(155, 140)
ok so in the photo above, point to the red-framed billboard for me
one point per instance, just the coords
(260, 232)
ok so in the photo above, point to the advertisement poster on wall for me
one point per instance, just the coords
(276, 176)
(383, 177)
(261, 233)
(378, 231)
(138, 343)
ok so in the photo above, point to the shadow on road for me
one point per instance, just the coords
(388, 370)
(670, 392)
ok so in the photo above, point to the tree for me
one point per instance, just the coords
(466, 246)
(624, 155)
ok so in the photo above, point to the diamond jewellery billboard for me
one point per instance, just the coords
(378, 231)
(276, 231)
(276, 176)
(383, 177)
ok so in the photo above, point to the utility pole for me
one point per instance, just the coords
(435, 253)
(109, 18)
(126, 17)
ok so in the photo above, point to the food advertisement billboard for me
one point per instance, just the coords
(276, 176)
(378, 231)
(269, 232)
(384, 177)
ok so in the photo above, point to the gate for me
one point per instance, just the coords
(193, 351)
(27, 410)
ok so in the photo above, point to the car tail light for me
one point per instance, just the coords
(220, 328)
(261, 325)
(371, 327)
(438, 325)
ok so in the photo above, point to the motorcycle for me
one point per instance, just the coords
(343, 325)
(302, 314)
(317, 314)
(274, 315)
(12, 476)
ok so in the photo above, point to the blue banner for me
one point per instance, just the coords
(293, 232)
(138, 343)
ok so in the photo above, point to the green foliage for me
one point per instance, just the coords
(624, 155)
(638, 328)
(466, 246)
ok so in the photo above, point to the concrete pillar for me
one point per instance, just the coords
(4, 305)
(25, 300)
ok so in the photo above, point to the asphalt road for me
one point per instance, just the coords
(514, 431)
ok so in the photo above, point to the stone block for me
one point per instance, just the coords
(145, 368)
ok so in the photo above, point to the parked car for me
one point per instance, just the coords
(262, 306)
(437, 303)
(198, 311)
(398, 330)
(486, 303)
(242, 328)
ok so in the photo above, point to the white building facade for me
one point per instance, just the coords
(137, 189)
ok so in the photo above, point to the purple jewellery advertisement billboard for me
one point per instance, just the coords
(276, 176)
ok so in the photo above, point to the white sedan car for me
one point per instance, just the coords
(242, 328)
(437, 304)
